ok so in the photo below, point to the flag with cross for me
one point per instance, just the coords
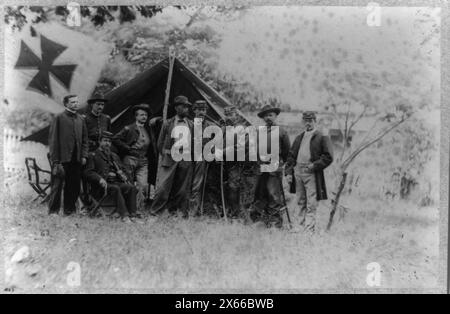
(47, 61)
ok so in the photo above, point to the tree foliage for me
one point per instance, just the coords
(98, 15)
(140, 46)
(353, 107)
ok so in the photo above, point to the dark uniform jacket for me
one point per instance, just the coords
(236, 145)
(67, 132)
(321, 158)
(284, 146)
(129, 136)
(100, 164)
(95, 126)
(203, 140)
(165, 140)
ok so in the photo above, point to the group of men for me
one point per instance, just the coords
(84, 153)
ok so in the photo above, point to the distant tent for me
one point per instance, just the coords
(149, 87)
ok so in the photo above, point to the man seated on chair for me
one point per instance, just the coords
(105, 171)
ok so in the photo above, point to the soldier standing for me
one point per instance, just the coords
(175, 177)
(241, 175)
(96, 120)
(200, 166)
(68, 143)
(137, 143)
(310, 154)
(105, 171)
(269, 195)
(96, 123)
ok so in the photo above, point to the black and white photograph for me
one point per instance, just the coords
(223, 148)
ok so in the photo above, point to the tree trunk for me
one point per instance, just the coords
(335, 202)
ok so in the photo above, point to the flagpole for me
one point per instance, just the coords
(166, 102)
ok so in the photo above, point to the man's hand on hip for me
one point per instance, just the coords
(310, 168)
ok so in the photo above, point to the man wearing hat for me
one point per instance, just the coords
(96, 123)
(310, 154)
(269, 194)
(175, 177)
(137, 144)
(105, 171)
(200, 166)
(96, 120)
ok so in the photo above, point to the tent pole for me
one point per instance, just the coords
(166, 103)
(169, 82)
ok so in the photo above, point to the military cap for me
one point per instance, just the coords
(309, 115)
(144, 107)
(181, 100)
(199, 104)
(97, 97)
(268, 108)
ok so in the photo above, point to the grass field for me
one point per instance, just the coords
(171, 254)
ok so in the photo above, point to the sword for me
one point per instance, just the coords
(203, 188)
(222, 193)
(285, 207)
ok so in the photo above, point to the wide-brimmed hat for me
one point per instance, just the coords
(268, 108)
(97, 97)
(106, 134)
(199, 104)
(144, 107)
(181, 100)
(309, 115)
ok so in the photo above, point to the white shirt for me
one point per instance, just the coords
(304, 153)
(185, 142)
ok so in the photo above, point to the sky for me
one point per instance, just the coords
(289, 51)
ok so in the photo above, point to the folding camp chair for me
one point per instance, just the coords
(40, 185)
(101, 205)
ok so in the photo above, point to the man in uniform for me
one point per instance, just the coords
(175, 177)
(241, 175)
(200, 167)
(310, 154)
(96, 120)
(105, 172)
(269, 194)
(96, 123)
(137, 143)
(68, 143)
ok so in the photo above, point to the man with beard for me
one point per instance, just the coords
(310, 154)
(137, 143)
(68, 143)
(96, 120)
(200, 166)
(105, 172)
(269, 197)
(175, 177)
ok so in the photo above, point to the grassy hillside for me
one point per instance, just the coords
(171, 254)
